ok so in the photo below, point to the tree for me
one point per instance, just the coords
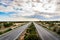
(8, 24)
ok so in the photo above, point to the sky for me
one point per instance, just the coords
(29, 10)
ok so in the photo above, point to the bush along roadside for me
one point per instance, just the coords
(52, 26)
(5, 31)
(31, 33)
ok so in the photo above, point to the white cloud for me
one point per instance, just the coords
(28, 6)
(47, 16)
(47, 6)
(18, 19)
(6, 9)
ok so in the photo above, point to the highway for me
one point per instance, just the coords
(15, 33)
(45, 34)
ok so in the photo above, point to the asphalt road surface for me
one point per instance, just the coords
(13, 35)
(45, 34)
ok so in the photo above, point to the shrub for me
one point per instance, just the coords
(8, 24)
(7, 30)
(31, 37)
(1, 33)
(54, 29)
(0, 27)
(58, 31)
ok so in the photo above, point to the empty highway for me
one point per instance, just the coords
(14, 34)
(45, 34)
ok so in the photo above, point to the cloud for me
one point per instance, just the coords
(45, 7)
(42, 7)
(18, 19)
(26, 9)
(7, 9)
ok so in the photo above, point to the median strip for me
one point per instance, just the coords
(30, 34)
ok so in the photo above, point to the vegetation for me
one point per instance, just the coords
(31, 33)
(5, 24)
(0, 26)
(1, 33)
(8, 24)
(5, 31)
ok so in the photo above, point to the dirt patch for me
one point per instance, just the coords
(21, 37)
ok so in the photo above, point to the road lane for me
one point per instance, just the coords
(45, 35)
(12, 35)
